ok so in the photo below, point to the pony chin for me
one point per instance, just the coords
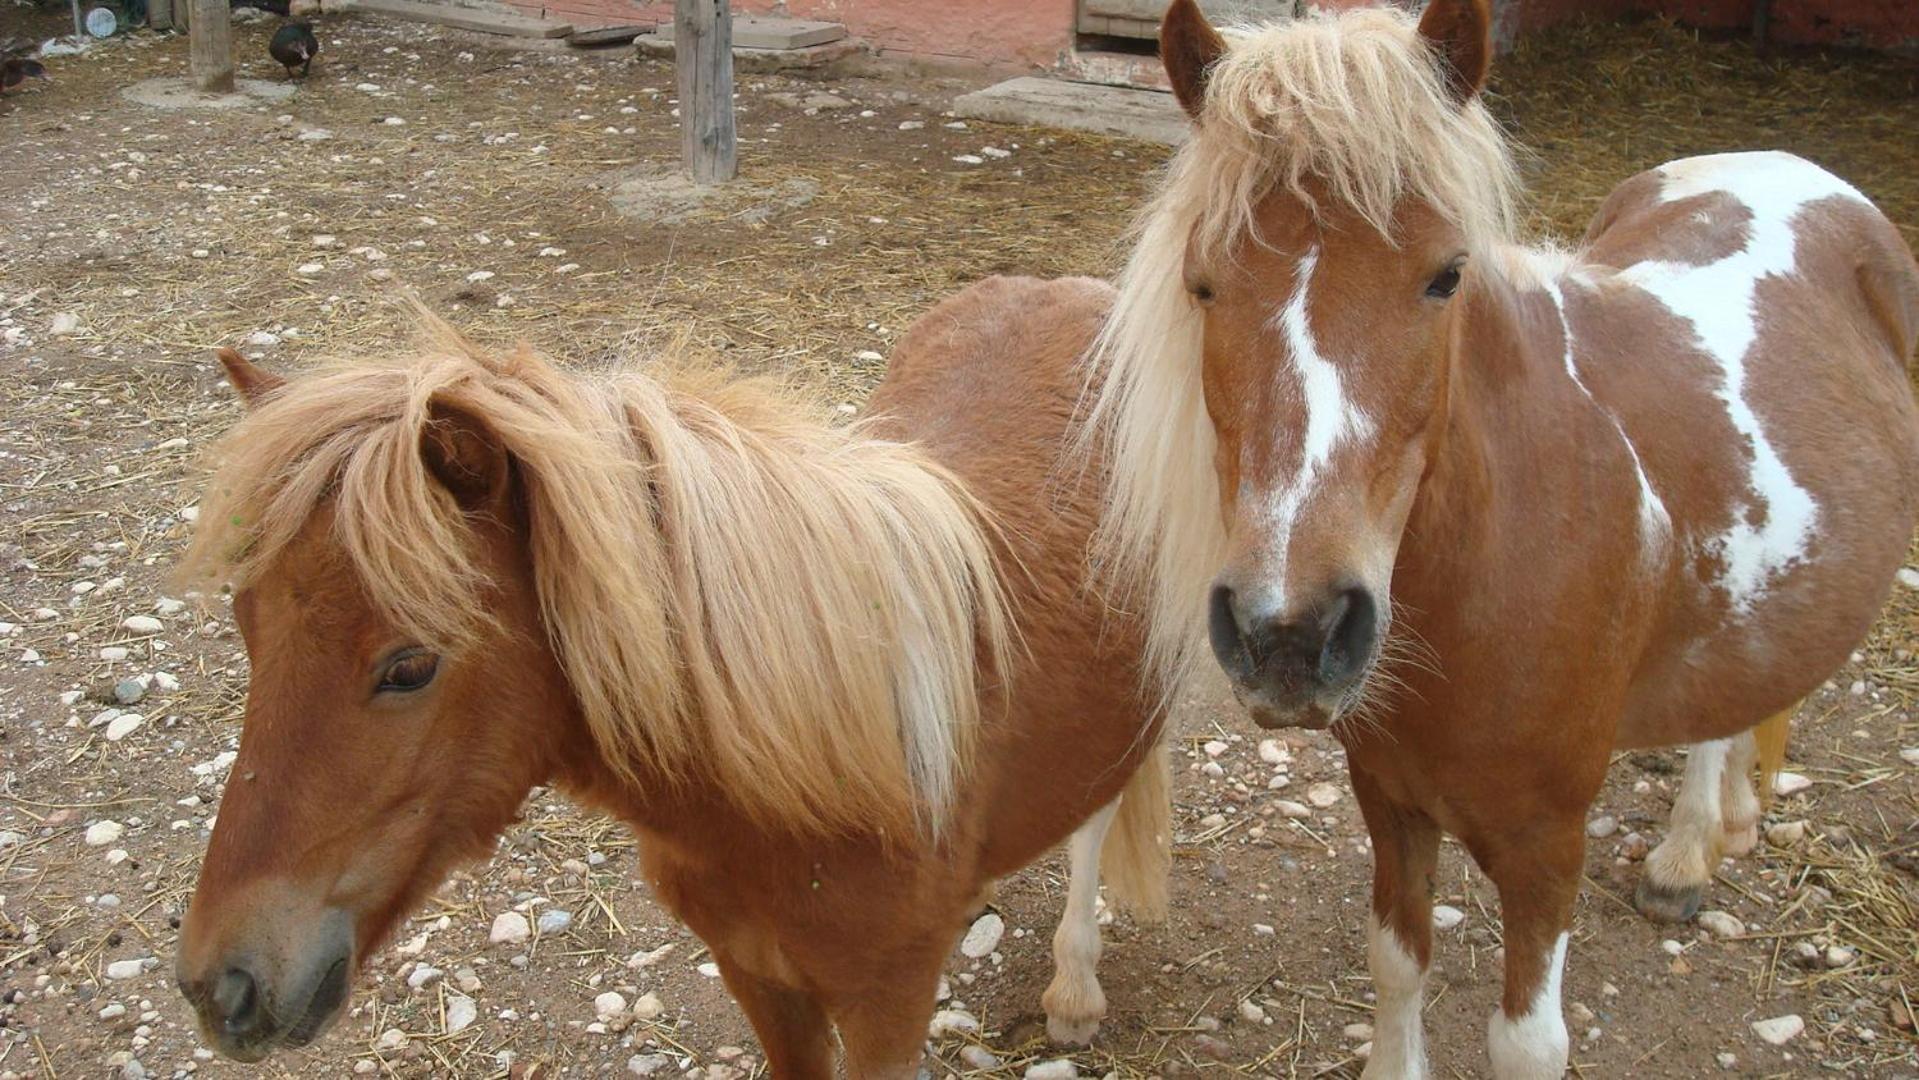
(1310, 713)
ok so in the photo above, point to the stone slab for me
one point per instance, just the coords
(659, 46)
(605, 36)
(460, 18)
(1122, 111)
(774, 32)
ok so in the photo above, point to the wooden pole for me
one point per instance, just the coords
(703, 55)
(210, 43)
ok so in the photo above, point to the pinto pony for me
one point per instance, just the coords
(1492, 512)
(837, 681)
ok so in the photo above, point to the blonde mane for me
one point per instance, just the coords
(1352, 105)
(740, 593)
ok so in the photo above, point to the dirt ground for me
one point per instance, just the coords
(485, 180)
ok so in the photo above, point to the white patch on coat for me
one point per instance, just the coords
(1399, 1040)
(1654, 522)
(1718, 299)
(1533, 1045)
(1331, 420)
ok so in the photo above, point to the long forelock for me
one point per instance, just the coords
(1342, 111)
(1353, 108)
(737, 590)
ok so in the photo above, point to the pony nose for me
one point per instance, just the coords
(1326, 647)
(237, 1005)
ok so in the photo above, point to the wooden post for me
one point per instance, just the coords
(703, 55)
(210, 41)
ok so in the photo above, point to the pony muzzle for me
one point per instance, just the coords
(253, 999)
(1299, 669)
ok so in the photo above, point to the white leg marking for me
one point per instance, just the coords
(1331, 420)
(1074, 1003)
(1771, 531)
(1533, 1045)
(1399, 1040)
(1740, 824)
(1685, 858)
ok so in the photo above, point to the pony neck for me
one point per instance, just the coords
(1459, 497)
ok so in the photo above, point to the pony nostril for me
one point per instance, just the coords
(1222, 626)
(1352, 628)
(236, 999)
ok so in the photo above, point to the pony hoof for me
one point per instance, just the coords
(1665, 905)
(1064, 1032)
(1738, 842)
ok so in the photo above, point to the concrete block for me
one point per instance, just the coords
(483, 20)
(774, 32)
(1122, 111)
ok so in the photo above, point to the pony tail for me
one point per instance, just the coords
(1137, 858)
(1771, 736)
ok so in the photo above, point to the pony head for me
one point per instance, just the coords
(1283, 332)
(385, 742)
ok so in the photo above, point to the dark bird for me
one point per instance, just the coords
(17, 64)
(294, 45)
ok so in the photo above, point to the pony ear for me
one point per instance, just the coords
(1460, 32)
(1189, 46)
(464, 455)
(254, 384)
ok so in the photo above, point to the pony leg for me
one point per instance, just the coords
(793, 1028)
(1400, 932)
(1538, 882)
(1679, 868)
(1074, 1003)
(1739, 827)
(883, 1031)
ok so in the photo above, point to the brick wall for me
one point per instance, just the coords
(1039, 34)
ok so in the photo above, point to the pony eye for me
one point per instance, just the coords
(1446, 283)
(1201, 291)
(409, 671)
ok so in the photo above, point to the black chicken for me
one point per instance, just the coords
(17, 64)
(294, 45)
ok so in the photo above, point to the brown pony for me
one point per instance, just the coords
(1492, 512)
(836, 681)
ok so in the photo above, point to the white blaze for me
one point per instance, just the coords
(1330, 421)
(1718, 300)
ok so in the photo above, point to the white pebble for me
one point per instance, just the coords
(952, 1022)
(1445, 916)
(1322, 795)
(1056, 1069)
(142, 624)
(1790, 783)
(983, 936)
(1721, 924)
(609, 1005)
(1779, 1030)
(125, 969)
(649, 1007)
(102, 833)
(509, 928)
(124, 725)
(460, 1013)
